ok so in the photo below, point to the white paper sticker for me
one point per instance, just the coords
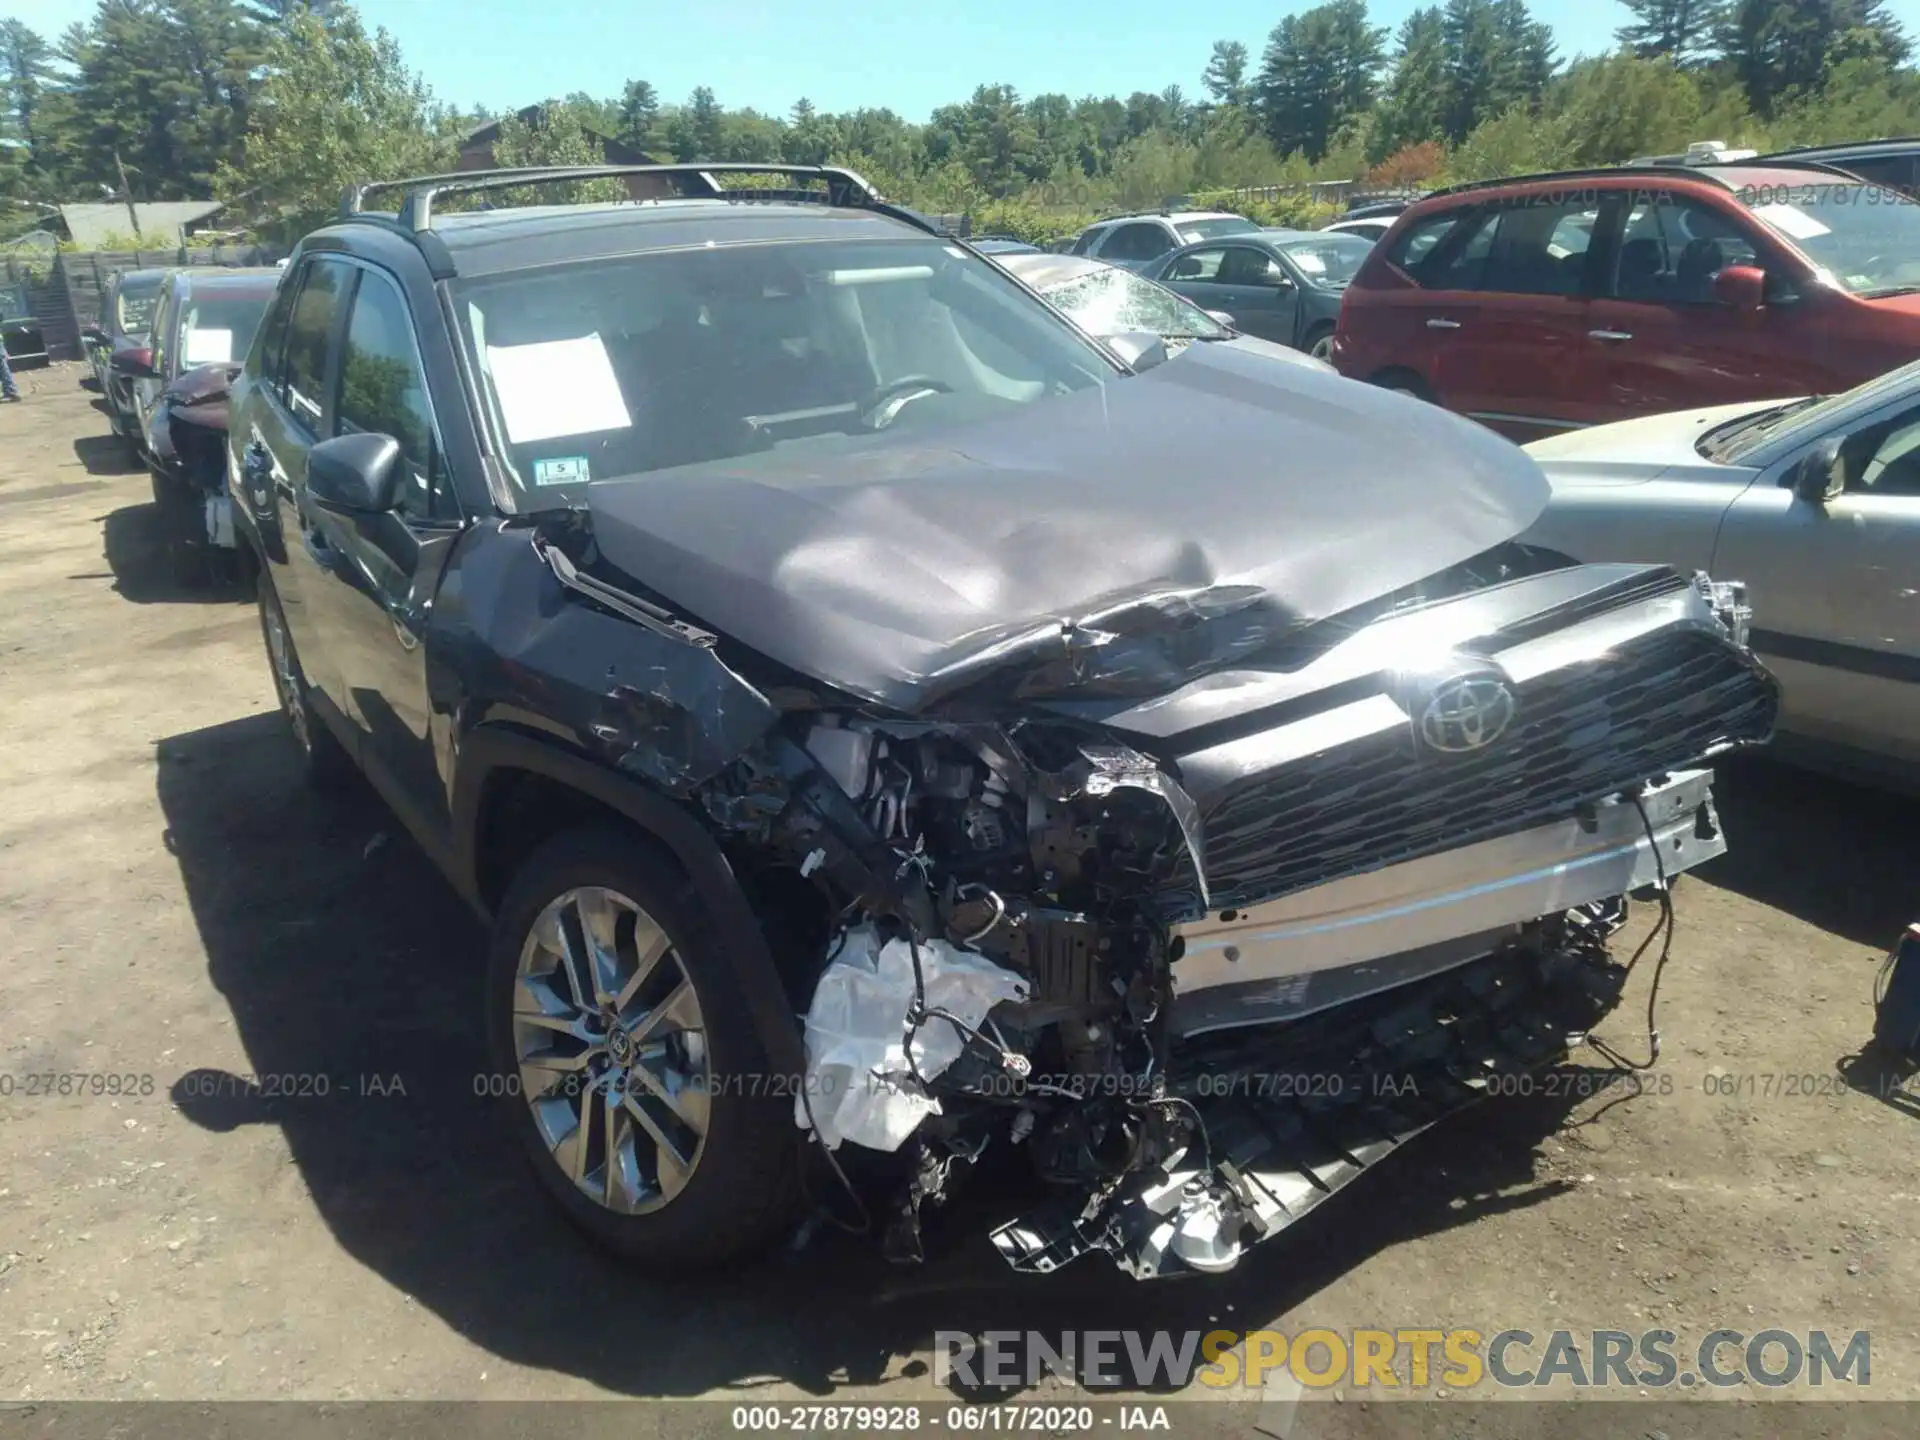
(562, 470)
(209, 347)
(1792, 220)
(557, 387)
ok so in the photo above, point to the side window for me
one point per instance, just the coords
(1086, 242)
(269, 349)
(1199, 265)
(162, 337)
(308, 333)
(1446, 251)
(1243, 265)
(1539, 249)
(1138, 241)
(1884, 459)
(1671, 250)
(384, 392)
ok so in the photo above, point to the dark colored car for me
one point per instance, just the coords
(1892, 163)
(1281, 285)
(126, 319)
(187, 454)
(878, 724)
(25, 340)
(201, 316)
(1551, 302)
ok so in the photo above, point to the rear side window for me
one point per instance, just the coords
(1138, 241)
(1447, 251)
(308, 332)
(1086, 241)
(1538, 249)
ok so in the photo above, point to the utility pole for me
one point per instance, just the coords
(126, 192)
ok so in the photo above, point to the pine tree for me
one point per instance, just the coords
(1226, 74)
(1318, 73)
(1680, 30)
(26, 75)
(639, 113)
(1414, 107)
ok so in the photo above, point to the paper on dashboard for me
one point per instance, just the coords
(557, 387)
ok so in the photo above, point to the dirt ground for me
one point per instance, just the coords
(177, 909)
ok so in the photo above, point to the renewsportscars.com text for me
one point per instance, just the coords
(1412, 1359)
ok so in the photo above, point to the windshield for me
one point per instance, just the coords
(1813, 415)
(1192, 232)
(1329, 260)
(1865, 238)
(1112, 301)
(134, 305)
(648, 362)
(219, 328)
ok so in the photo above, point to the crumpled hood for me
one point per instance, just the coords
(199, 396)
(1216, 485)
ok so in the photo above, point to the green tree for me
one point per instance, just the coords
(694, 131)
(1777, 48)
(26, 77)
(1226, 74)
(1413, 108)
(639, 114)
(1620, 106)
(1515, 142)
(559, 132)
(337, 106)
(1318, 72)
(1679, 30)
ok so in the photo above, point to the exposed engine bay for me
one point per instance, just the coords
(1205, 982)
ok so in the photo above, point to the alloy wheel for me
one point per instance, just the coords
(1322, 349)
(612, 1050)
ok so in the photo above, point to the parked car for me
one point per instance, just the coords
(1003, 245)
(186, 449)
(1107, 302)
(201, 316)
(20, 333)
(126, 317)
(774, 610)
(1282, 285)
(1551, 302)
(1370, 230)
(1892, 163)
(1815, 503)
(1136, 241)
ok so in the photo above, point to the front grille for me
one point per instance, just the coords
(1580, 733)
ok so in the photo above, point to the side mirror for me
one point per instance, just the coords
(355, 474)
(1741, 287)
(1138, 349)
(1221, 317)
(1820, 474)
(134, 363)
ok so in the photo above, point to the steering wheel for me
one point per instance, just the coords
(874, 411)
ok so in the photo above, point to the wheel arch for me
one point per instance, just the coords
(500, 768)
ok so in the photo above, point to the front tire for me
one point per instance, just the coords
(625, 1058)
(1320, 344)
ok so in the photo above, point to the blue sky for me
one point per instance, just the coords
(841, 53)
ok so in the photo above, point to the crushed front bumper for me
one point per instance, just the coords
(1318, 1033)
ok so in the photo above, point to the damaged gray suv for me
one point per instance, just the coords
(884, 726)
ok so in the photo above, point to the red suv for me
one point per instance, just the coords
(1551, 302)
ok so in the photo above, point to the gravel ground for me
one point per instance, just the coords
(182, 915)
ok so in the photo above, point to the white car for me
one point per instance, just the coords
(1107, 301)
(1137, 240)
(1369, 229)
(1813, 503)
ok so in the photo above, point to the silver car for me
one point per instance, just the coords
(1108, 302)
(1815, 504)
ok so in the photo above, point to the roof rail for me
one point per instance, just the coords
(696, 180)
(1594, 172)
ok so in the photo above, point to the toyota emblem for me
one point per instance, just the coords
(1466, 713)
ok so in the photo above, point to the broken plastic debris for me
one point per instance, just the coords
(857, 1081)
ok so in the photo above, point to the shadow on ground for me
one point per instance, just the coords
(343, 954)
(1835, 855)
(148, 570)
(105, 455)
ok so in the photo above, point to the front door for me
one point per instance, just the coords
(1661, 339)
(1832, 586)
(1245, 282)
(385, 567)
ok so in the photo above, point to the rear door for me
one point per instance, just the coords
(1660, 338)
(291, 414)
(1832, 587)
(382, 580)
(1406, 321)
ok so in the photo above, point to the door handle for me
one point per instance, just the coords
(1443, 324)
(1614, 335)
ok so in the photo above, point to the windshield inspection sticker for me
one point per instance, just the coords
(566, 470)
(557, 387)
